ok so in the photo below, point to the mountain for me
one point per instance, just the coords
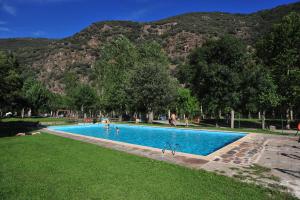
(178, 35)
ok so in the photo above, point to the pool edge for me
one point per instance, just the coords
(152, 152)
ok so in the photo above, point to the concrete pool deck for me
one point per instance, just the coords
(280, 154)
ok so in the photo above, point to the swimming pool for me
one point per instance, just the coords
(199, 142)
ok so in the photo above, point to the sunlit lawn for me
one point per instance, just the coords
(51, 167)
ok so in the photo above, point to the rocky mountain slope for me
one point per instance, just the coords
(178, 35)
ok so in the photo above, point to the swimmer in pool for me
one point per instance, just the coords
(106, 126)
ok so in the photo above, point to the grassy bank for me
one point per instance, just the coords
(50, 167)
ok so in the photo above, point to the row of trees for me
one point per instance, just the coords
(134, 78)
(223, 76)
(226, 75)
(22, 92)
(128, 78)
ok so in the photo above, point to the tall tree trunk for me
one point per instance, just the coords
(201, 112)
(29, 112)
(220, 114)
(22, 113)
(263, 120)
(259, 116)
(113, 114)
(232, 119)
(120, 118)
(249, 115)
(291, 114)
(169, 114)
(288, 119)
(82, 115)
(150, 117)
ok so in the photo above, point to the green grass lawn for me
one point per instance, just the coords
(51, 167)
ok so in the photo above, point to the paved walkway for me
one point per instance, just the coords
(282, 155)
(269, 160)
(245, 153)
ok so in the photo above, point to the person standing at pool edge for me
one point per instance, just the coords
(173, 119)
(186, 121)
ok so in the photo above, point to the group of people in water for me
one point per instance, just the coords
(107, 126)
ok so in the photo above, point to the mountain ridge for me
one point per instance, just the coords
(50, 59)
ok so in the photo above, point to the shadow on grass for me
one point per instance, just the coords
(8, 129)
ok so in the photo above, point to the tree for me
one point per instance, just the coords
(186, 104)
(152, 89)
(218, 67)
(37, 95)
(11, 81)
(267, 97)
(112, 70)
(258, 90)
(58, 101)
(185, 74)
(280, 52)
(151, 51)
(71, 82)
(84, 98)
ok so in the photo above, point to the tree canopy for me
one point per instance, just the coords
(11, 81)
(112, 70)
(187, 104)
(279, 50)
(36, 94)
(218, 67)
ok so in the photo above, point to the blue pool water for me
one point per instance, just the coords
(198, 142)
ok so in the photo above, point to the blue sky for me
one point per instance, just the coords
(62, 18)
